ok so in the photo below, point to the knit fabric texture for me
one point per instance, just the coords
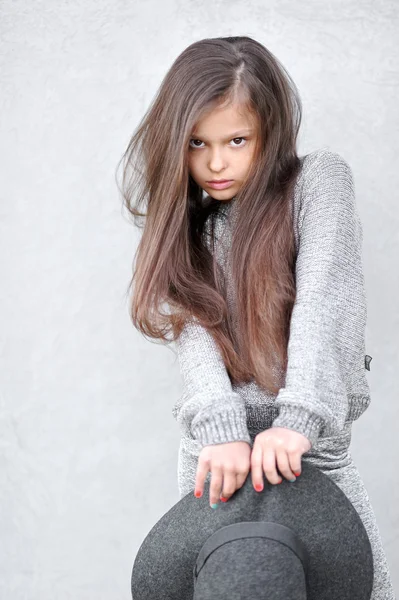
(325, 381)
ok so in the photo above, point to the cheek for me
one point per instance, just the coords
(242, 164)
(193, 165)
(190, 161)
(248, 160)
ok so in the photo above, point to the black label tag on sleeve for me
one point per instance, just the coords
(367, 361)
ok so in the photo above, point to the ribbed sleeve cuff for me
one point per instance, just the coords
(220, 425)
(301, 420)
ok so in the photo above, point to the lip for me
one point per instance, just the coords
(221, 184)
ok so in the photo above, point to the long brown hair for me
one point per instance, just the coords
(176, 275)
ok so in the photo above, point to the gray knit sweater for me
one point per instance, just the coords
(325, 384)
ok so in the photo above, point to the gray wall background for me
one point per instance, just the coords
(88, 444)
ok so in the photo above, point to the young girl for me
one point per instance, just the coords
(257, 254)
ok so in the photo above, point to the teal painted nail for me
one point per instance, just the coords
(214, 505)
(292, 480)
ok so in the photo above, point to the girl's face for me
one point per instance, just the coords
(222, 146)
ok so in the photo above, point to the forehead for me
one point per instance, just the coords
(221, 121)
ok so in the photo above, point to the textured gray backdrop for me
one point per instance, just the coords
(88, 444)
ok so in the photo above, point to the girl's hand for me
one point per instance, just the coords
(229, 465)
(277, 445)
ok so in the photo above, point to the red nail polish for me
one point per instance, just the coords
(223, 499)
(297, 474)
(259, 487)
(197, 494)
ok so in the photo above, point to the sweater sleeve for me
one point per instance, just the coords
(328, 320)
(209, 410)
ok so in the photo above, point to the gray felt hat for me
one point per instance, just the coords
(295, 541)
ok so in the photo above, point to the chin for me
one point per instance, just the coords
(222, 195)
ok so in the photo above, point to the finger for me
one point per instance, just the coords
(295, 461)
(202, 472)
(257, 467)
(229, 484)
(269, 465)
(283, 464)
(215, 488)
(241, 479)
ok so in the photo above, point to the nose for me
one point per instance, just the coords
(216, 161)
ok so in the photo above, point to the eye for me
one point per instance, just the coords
(233, 140)
(239, 138)
(194, 140)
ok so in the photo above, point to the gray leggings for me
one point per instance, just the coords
(332, 456)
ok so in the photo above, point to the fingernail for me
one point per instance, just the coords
(259, 487)
(292, 480)
(297, 474)
(197, 494)
(281, 481)
(223, 499)
(214, 505)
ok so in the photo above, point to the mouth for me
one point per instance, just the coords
(219, 184)
(219, 180)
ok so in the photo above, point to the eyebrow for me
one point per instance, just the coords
(229, 137)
